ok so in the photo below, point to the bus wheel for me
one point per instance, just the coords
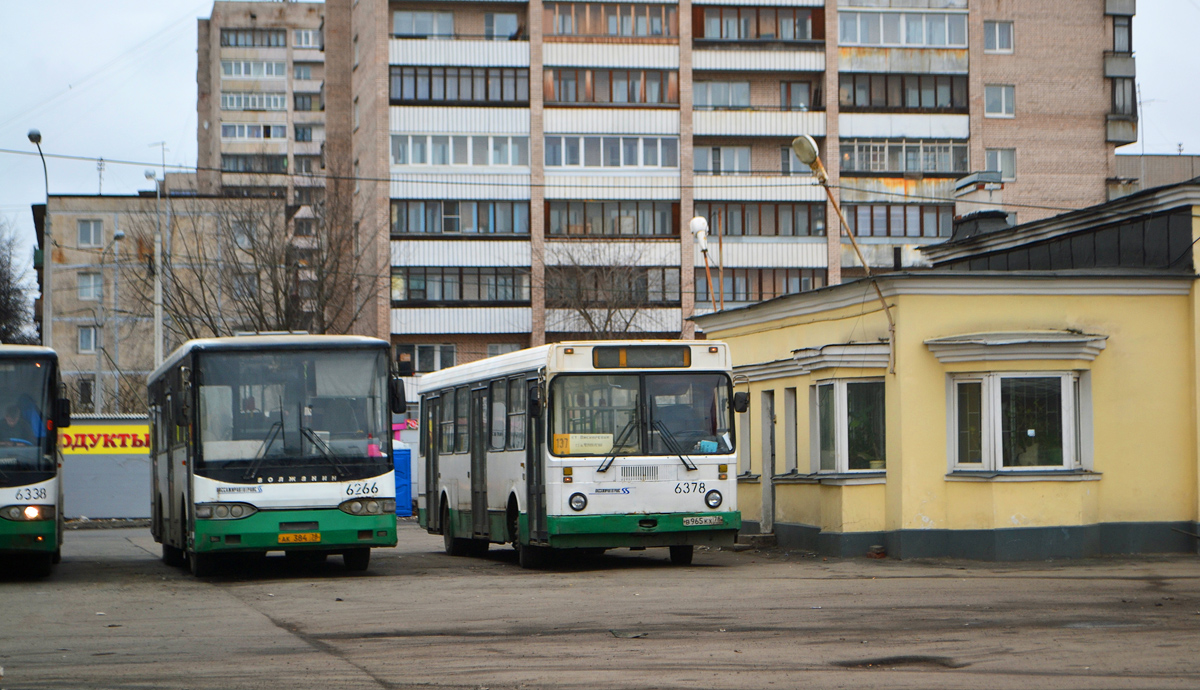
(453, 547)
(172, 556)
(682, 555)
(357, 560)
(201, 564)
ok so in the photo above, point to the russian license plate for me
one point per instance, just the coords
(300, 538)
(705, 520)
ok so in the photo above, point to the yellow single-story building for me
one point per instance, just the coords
(1039, 397)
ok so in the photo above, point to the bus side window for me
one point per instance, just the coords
(423, 415)
(516, 414)
(446, 442)
(168, 423)
(499, 417)
(462, 409)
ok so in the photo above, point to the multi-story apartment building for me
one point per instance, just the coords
(510, 150)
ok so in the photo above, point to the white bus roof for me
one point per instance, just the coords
(265, 342)
(26, 351)
(530, 359)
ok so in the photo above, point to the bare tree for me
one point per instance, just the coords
(16, 284)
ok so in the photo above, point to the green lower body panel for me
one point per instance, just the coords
(273, 530)
(661, 529)
(34, 535)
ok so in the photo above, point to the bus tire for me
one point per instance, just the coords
(452, 546)
(172, 556)
(357, 560)
(201, 564)
(682, 555)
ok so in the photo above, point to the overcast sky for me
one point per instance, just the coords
(108, 79)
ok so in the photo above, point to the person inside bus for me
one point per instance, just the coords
(14, 427)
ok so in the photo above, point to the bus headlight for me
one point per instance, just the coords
(27, 513)
(712, 499)
(372, 506)
(224, 511)
(577, 502)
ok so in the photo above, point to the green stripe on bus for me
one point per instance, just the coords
(260, 532)
(638, 523)
(34, 535)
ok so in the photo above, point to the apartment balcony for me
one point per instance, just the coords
(756, 187)
(611, 251)
(758, 59)
(461, 252)
(631, 120)
(433, 119)
(763, 252)
(759, 122)
(443, 320)
(446, 182)
(612, 55)
(903, 60)
(308, 55)
(646, 320)
(308, 117)
(596, 186)
(307, 85)
(909, 126)
(1119, 64)
(307, 148)
(458, 51)
(1122, 129)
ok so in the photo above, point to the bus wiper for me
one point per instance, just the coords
(261, 454)
(621, 438)
(673, 445)
(325, 450)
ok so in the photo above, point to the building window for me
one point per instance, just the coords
(1124, 96)
(427, 357)
(253, 164)
(91, 286)
(849, 433)
(997, 37)
(998, 100)
(602, 20)
(305, 227)
(790, 164)
(455, 217)
(612, 152)
(898, 156)
(493, 285)
(478, 150)
(765, 219)
(1015, 421)
(1122, 34)
(715, 95)
(899, 220)
(252, 69)
(495, 349)
(302, 71)
(1003, 161)
(236, 131)
(87, 393)
(306, 38)
(307, 164)
(407, 24)
(459, 85)
(307, 102)
(756, 284)
(902, 92)
(304, 133)
(612, 86)
(572, 287)
(307, 196)
(755, 24)
(253, 38)
(903, 29)
(799, 95)
(89, 233)
(500, 26)
(722, 160)
(612, 218)
(88, 339)
(253, 101)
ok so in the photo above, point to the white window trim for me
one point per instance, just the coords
(1004, 101)
(95, 331)
(95, 232)
(841, 439)
(1012, 37)
(903, 43)
(1012, 174)
(94, 287)
(428, 138)
(1076, 415)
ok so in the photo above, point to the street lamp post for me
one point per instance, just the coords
(158, 304)
(805, 148)
(103, 323)
(35, 137)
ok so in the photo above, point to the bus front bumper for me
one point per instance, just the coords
(642, 530)
(300, 530)
(34, 535)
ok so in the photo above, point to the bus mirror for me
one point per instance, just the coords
(62, 413)
(399, 400)
(535, 403)
(741, 402)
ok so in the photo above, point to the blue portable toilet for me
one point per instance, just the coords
(402, 458)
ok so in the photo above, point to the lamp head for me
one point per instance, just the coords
(35, 137)
(699, 228)
(118, 234)
(150, 175)
(805, 148)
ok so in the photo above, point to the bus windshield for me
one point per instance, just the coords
(26, 445)
(646, 414)
(268, 410)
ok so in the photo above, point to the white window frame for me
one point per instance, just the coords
(91, 286)
(850, 28)
(645, 145)
(992, 34)
(1075, 394)
(702, 92)
(88, 340)
(306, 38)
(841, 439)
(1007, 172)
(253, 69)
(1008, 99)
(95, 232)
(494, 145)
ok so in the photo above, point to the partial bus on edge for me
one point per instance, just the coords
(274, 443)
(31, 412)
(582, 446)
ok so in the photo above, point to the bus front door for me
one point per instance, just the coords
(433, 506)
(479, 441)
(535, 471)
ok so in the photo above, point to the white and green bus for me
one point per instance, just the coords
(582, 446)
(31, 412)
(274, 443)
